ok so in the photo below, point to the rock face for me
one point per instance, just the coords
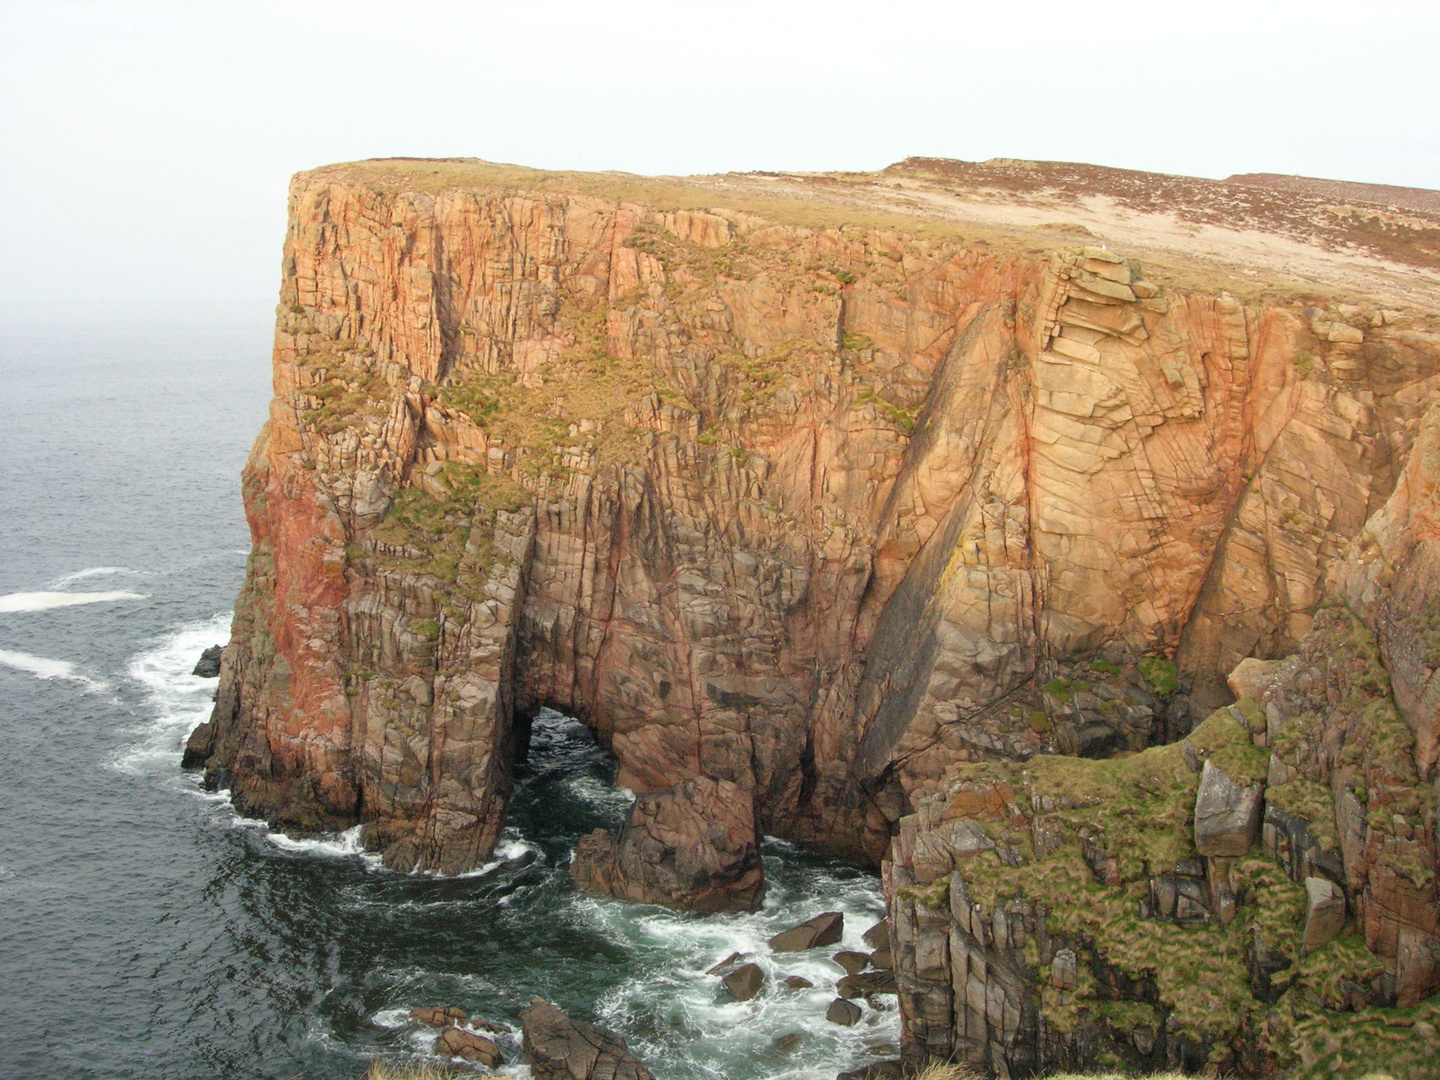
(558, 1048)
(1120, 909)
(817, 511)
(692, 847)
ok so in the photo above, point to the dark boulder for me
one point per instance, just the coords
(558, 1048)
(842, 1012)
(208, 666)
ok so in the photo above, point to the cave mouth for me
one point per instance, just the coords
(564, 786)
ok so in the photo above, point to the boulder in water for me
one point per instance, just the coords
(798, 982)
(788, 1044)
(692, 847)
(878, 936)
(558, 1048)
(208, 666)
(866, 983)
(844, 1013)
(745, 981)
(823, 929)
(455, 1042)
(729, 962)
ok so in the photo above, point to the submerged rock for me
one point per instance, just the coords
(824, 929)
(559, 1048)
(692, 847)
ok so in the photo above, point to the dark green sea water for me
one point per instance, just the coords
(147, 932)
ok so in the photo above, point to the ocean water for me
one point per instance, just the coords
(145, 929)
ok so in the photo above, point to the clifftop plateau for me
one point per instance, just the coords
(829, 502)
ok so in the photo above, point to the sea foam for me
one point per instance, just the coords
(177, 699)
(45, 601)
(43, 668)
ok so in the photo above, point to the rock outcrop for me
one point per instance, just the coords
(693, 847)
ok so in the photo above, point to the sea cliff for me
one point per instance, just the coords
(931, 530)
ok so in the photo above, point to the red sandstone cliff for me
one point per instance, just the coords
(819, 497)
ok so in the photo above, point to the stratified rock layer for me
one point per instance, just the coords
(818, 510)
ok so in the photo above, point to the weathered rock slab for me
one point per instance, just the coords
(559, 1048)
(1324, 913)
(824, 929)
(455, 1042)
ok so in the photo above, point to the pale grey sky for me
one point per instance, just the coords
(146, 146)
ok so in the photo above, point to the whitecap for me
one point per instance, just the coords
(675, 993)
(507, 851)
(43, 668)
(45, 601)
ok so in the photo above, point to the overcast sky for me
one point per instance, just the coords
(145, 147)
